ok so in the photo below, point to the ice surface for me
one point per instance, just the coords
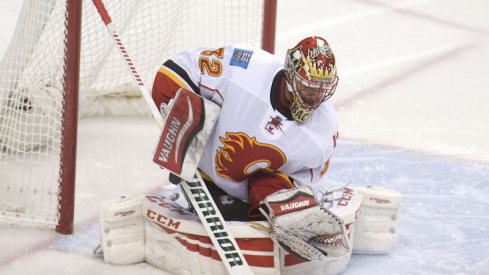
(412, 110)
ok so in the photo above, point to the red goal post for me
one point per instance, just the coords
(61, 65)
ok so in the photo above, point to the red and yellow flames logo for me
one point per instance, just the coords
(241, 156)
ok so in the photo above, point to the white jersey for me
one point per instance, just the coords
(250, 134)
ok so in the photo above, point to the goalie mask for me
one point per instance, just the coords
(310, 76)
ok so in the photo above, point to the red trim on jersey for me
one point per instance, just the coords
(164, 89)
(214, 90)
(264, 183)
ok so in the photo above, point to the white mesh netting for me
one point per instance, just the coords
(32, 80)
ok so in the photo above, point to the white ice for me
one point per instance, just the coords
(412, 104)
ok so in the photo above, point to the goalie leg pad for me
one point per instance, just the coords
(122, 230)
(176, 241)
(377, 228)
(161, 232)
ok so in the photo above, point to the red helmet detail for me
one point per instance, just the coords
(311, 76)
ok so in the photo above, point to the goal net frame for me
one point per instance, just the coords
(64, 184)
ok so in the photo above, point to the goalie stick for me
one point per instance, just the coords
(199, 195)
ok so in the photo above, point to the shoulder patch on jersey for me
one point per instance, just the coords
(241, 58)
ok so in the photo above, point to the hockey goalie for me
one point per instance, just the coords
(260, 135)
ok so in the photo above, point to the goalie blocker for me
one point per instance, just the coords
(157, 230)
(189, 120)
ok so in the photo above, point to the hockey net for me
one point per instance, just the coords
(34, 128)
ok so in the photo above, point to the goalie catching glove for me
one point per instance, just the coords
(302, 227)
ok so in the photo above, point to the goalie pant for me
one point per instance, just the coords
(157, 230)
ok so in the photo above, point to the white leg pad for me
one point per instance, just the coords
(122, 230)
(156, 230)
(377, 228)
